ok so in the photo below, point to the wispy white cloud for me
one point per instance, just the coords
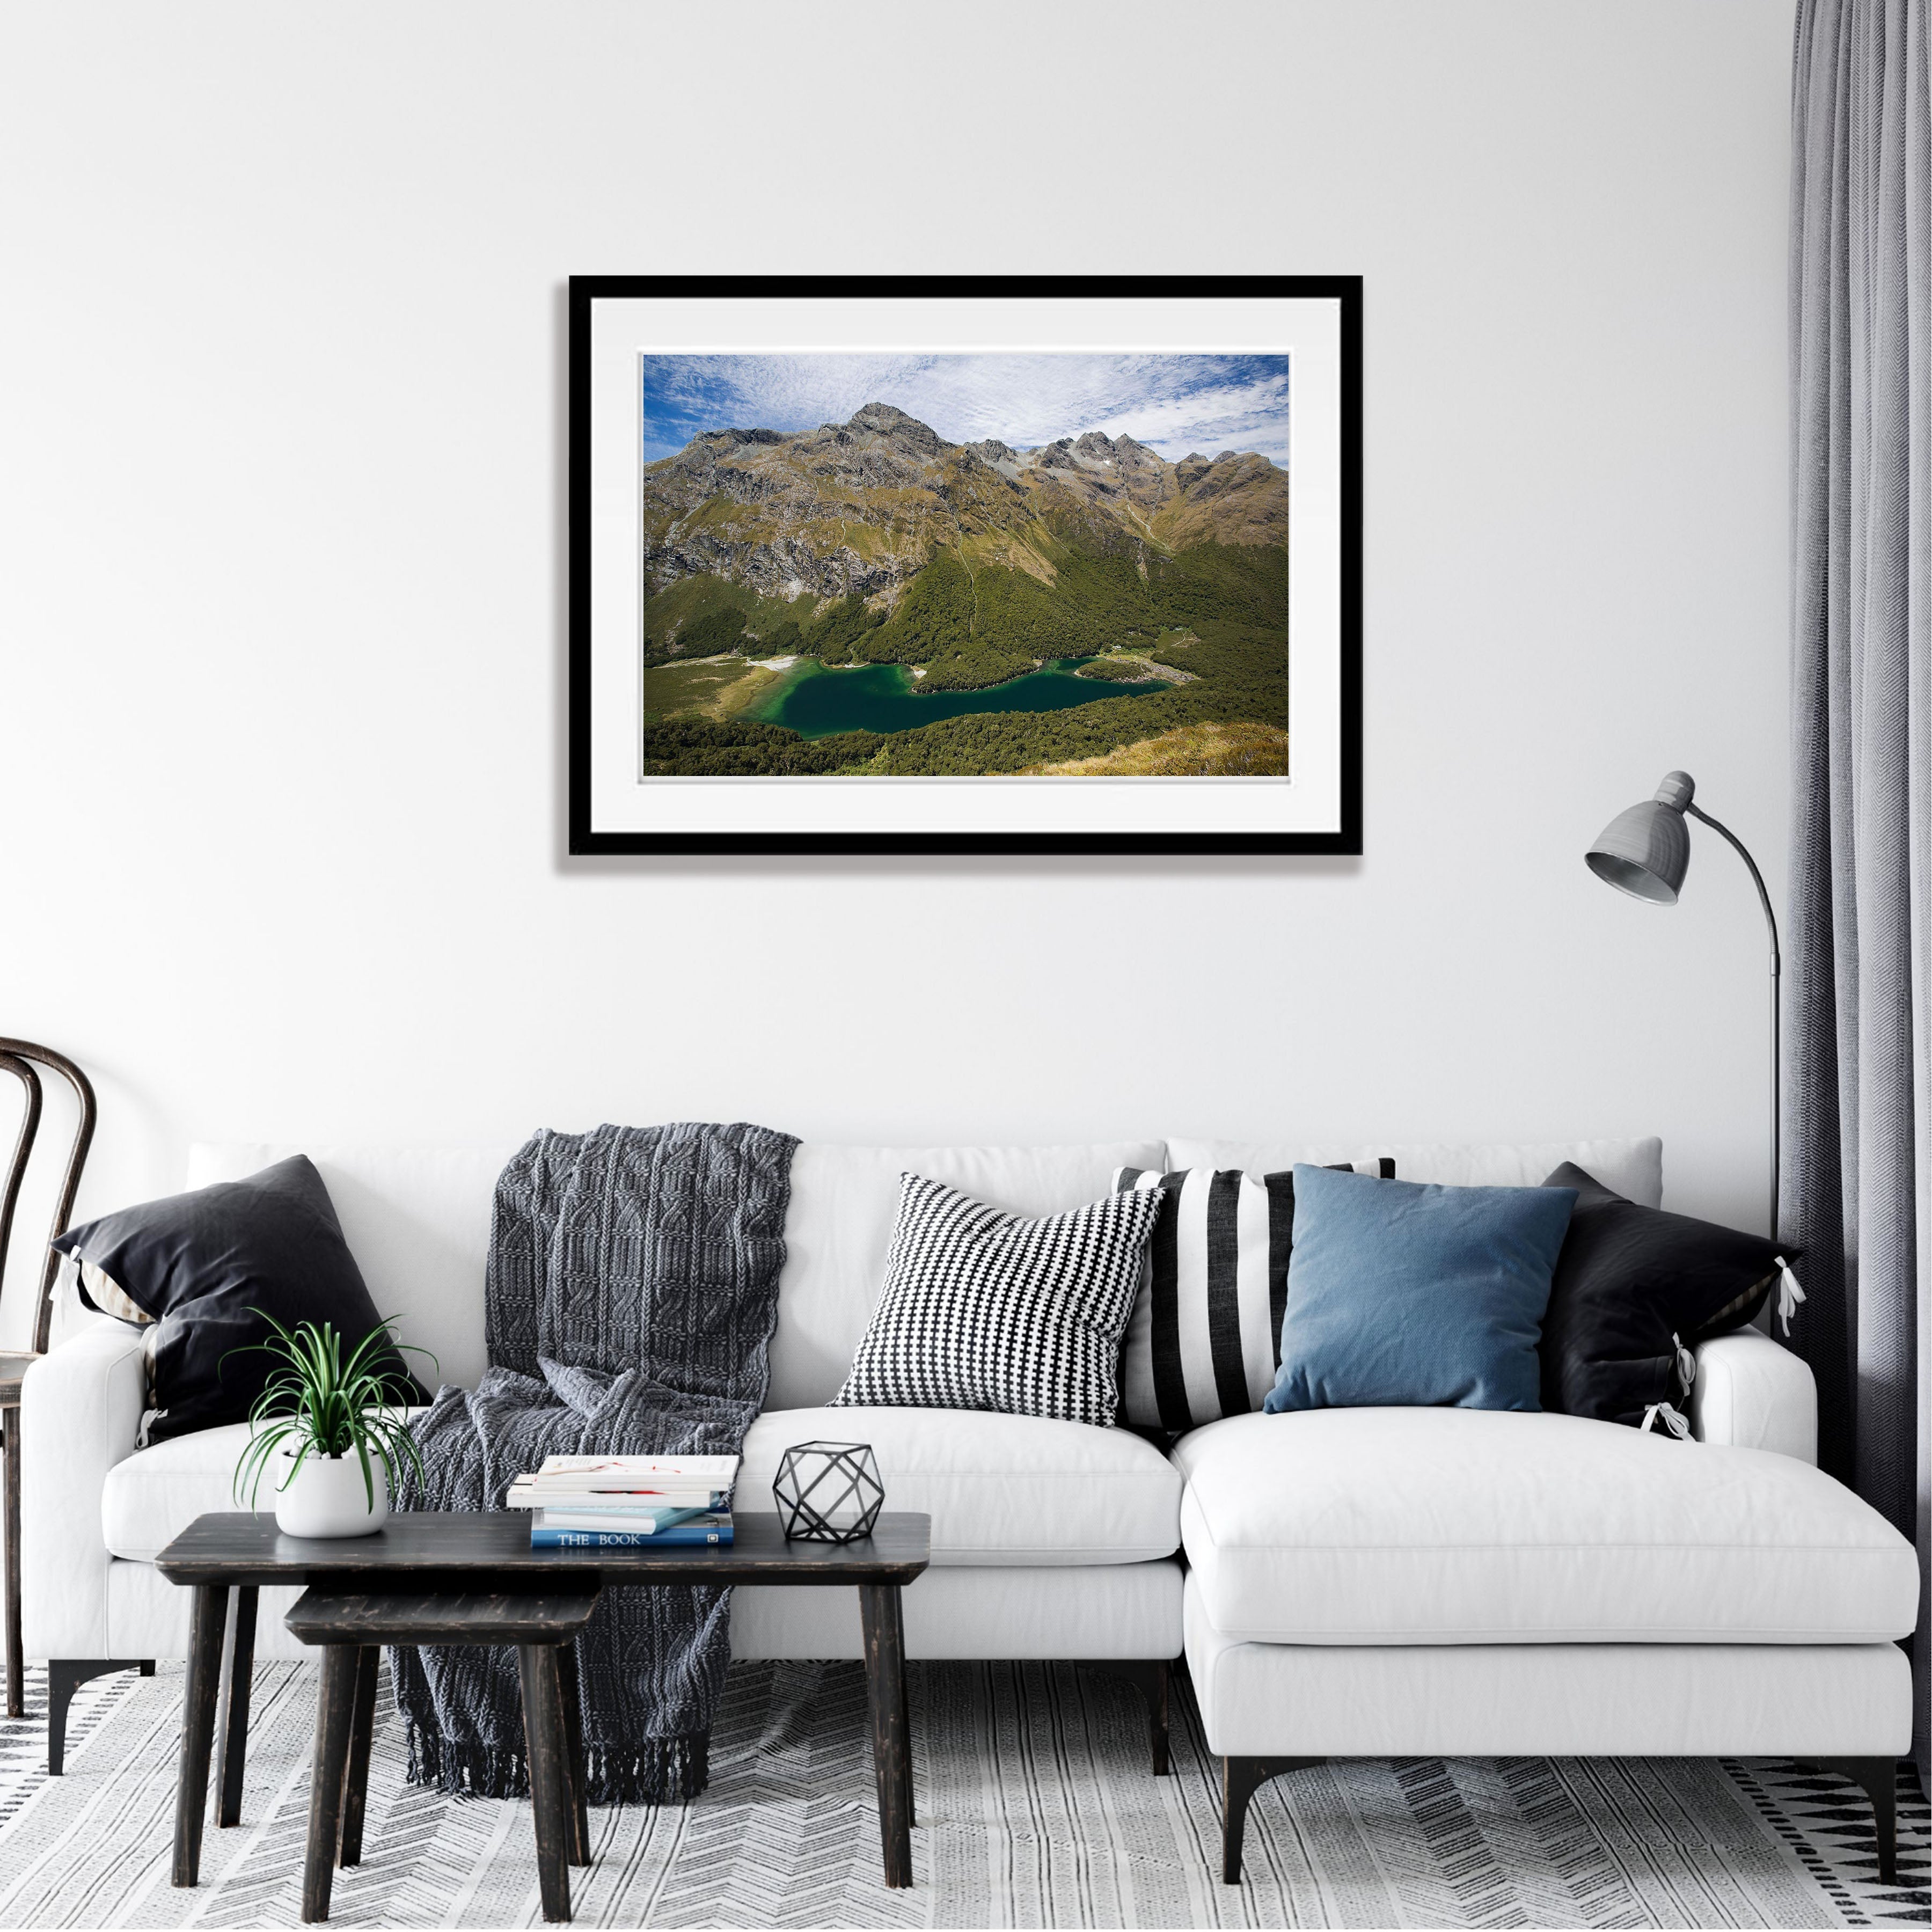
(1175, 404)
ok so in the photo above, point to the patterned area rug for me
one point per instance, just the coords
(1035, 1808)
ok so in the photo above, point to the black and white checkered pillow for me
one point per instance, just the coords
(1204, 1338)
(984, 1309)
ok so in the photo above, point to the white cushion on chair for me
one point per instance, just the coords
(1454, 1525)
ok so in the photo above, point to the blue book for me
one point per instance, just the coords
(683, 1533)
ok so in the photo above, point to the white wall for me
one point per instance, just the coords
(282, 607)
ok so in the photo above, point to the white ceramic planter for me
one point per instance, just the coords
(326, 1496)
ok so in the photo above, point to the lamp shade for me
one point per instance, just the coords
(1646, 850)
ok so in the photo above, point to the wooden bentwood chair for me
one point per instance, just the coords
(20, 1057)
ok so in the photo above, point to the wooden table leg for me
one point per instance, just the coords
(550, 1793)
(205, 1632)
(573, 1746)
(16, 1663)
(232, 1730)
(334, 1716)
(885, 1693)
(355, 1773)
(905, 1709)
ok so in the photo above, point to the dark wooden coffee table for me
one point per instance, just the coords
(490, 1551)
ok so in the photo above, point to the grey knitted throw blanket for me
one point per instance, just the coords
(631, 1290)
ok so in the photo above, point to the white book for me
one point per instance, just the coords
(716, 1473)
(615, 1502)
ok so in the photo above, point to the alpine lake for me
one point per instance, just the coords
(817, 702)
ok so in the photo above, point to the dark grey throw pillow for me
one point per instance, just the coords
(1636, 1289)
(207, 1265)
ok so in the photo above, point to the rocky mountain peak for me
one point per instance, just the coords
(907, 432)
(1095, 447)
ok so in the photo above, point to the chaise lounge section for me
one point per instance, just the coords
(1463, 1582)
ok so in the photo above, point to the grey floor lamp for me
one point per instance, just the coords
(1645, 852)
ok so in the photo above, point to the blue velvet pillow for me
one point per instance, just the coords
(1403, 1295)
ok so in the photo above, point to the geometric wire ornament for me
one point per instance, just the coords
(829, 1492)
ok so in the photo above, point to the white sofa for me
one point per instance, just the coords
(1366, 1583)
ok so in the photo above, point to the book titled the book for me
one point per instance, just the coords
(678, 1535)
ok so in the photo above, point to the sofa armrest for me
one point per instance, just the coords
(1753, 1392)
(80, 1414)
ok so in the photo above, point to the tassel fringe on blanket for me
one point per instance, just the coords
(631, 1292)
(671, 1771)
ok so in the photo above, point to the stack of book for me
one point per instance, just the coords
(627, 1502)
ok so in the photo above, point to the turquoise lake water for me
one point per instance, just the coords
(817, 702)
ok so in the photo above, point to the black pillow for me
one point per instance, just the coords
(1632, 1284)
(201, 1263)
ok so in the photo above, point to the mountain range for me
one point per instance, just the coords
(770, 558)
(857, 509)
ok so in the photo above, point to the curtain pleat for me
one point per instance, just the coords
(1857, 1088)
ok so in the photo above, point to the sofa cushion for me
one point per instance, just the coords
(152, 1496)
(220, 1270)
(1454, 1525)
(1403, 1292)
(1635, 1291)
(1000, 1490)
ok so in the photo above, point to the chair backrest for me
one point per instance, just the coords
(21, 1058)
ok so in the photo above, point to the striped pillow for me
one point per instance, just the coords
(1204, 1339)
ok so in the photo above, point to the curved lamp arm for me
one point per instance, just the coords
(1757, 878)
(1737, 845)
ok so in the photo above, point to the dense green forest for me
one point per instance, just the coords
(696, 748)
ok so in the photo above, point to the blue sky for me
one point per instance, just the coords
(1173, 403)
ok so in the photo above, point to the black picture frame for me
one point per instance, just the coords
(586, 291)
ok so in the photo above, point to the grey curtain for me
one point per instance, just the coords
(1857, 1131)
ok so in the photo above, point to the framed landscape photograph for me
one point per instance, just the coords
(971, 565)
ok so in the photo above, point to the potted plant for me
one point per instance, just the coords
(327, 1430)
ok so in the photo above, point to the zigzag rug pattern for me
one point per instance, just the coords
(1034, 1805)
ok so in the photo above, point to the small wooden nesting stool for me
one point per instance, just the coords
(350, 1627)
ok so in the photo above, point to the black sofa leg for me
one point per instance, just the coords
(1878, 1778)
(65, 1675)
(1153, 1680)
(1241, 1777)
